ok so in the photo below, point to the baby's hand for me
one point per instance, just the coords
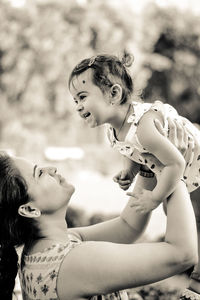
(144, 202)
(124, 178)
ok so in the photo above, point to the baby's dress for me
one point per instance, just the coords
(38, 273)
(133, 149)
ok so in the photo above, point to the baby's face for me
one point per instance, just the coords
(91, 103)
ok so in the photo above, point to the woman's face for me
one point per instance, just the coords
(49, 190)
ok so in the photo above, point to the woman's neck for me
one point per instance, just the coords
(51, 233)
(53, 229)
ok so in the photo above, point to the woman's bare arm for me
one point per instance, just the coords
(94, 268)
(123, 229)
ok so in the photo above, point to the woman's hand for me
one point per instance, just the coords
(181, 138)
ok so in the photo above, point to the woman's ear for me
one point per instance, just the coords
(29, 211)
(116, 94)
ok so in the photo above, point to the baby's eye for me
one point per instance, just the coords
(82, 97)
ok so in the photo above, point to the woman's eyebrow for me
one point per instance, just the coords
(34, 170)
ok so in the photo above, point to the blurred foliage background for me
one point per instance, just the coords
(42, 40)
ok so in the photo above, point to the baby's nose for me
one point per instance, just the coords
(79, 107)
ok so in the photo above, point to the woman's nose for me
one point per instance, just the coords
(52, 170)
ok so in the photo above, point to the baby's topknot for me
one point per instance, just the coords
(127, 59)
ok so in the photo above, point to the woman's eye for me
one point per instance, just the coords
(40, 173)
(82, 97)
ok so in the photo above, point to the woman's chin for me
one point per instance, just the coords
(71, 190)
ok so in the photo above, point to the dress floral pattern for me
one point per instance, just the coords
(38, 273)
(132, 148)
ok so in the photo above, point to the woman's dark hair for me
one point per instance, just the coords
(106, 68)
(14, 229)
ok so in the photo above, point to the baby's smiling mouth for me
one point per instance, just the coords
(86, 115)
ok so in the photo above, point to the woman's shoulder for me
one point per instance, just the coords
(44, 246)
(74, 235)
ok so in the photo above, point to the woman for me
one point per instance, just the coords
(83, 263)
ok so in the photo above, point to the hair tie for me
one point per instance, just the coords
(91, 61)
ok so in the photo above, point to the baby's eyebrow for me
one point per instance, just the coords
(34, 170)
(78, 94)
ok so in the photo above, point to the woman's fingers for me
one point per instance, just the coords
(172, 134)
(179, 132)
(185, 141)
(189, 157)
(159, 127)
(182, 137)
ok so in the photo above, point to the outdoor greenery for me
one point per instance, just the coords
(42, 41)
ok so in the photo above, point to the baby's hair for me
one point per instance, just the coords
(107, 70)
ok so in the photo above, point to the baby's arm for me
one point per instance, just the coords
(165, 151)
(125, 177)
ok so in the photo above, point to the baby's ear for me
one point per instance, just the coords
(115, 94)
(29, 211)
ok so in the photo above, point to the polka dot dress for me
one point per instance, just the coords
(133, 149)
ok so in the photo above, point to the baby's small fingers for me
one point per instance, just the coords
(115, 179)
(124, 182)
(124, 187)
